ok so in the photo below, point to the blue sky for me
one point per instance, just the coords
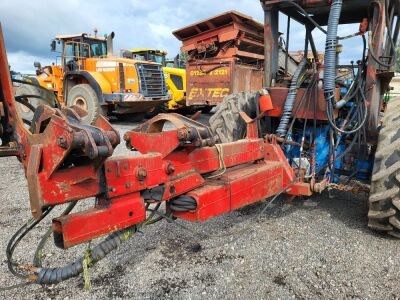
(29, 26)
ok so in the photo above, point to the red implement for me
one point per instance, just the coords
(66, 160)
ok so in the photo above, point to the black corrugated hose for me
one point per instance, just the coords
(330, 59)
(56, 275)
(330, 74)
(290, 99)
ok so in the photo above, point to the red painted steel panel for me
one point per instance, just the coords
(235, 189)
(182, 184)
(121, 171)
(212, 200)
(110, 216)
(254, 183)
(68, 185)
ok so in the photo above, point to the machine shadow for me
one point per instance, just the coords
(342, 206)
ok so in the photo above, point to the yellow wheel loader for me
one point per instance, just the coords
(174, 72)
(88, 75)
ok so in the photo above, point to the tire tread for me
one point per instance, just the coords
(384, 199)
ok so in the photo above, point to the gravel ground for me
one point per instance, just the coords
(312, 248)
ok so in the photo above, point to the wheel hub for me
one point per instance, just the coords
(81, 102)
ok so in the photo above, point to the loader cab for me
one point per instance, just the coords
(75, 49)
(177, 62)
(170, 63)
(157, 56)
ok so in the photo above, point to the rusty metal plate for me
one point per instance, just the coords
(278, 97)
(210, 81)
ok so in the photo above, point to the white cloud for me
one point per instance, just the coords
(29, 26)
(160, 30)
(22, 61)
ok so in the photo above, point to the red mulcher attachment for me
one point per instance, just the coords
(196, 179)
(67, 161)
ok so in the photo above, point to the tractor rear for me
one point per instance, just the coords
(90, 77)
(330, 119)
(305, 132)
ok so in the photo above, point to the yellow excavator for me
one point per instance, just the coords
(174, 72)
(91, 77)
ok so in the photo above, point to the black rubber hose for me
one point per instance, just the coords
(300, 104)
(16, 239)
(341, 155)
(56, 275)
(182, 203)
(290, 99)
(390, 37)
(359, 104)
(351, 93)
(307, 15)
(292, 94)
(37, 259)
(302, 10)
(330, 66)
(360, 125)
(57, 104)
(24, 101)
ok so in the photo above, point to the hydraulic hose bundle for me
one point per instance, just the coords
(392, 40)
(56, 275)
(44, 275)
(346, 117)
(359, 113)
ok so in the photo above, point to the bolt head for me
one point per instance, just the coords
(170, 169)
(62, 142)
(141, 174)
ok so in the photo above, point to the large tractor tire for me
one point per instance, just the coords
(384, 199)
(26, 89)
(226, 123)
(84, 96)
